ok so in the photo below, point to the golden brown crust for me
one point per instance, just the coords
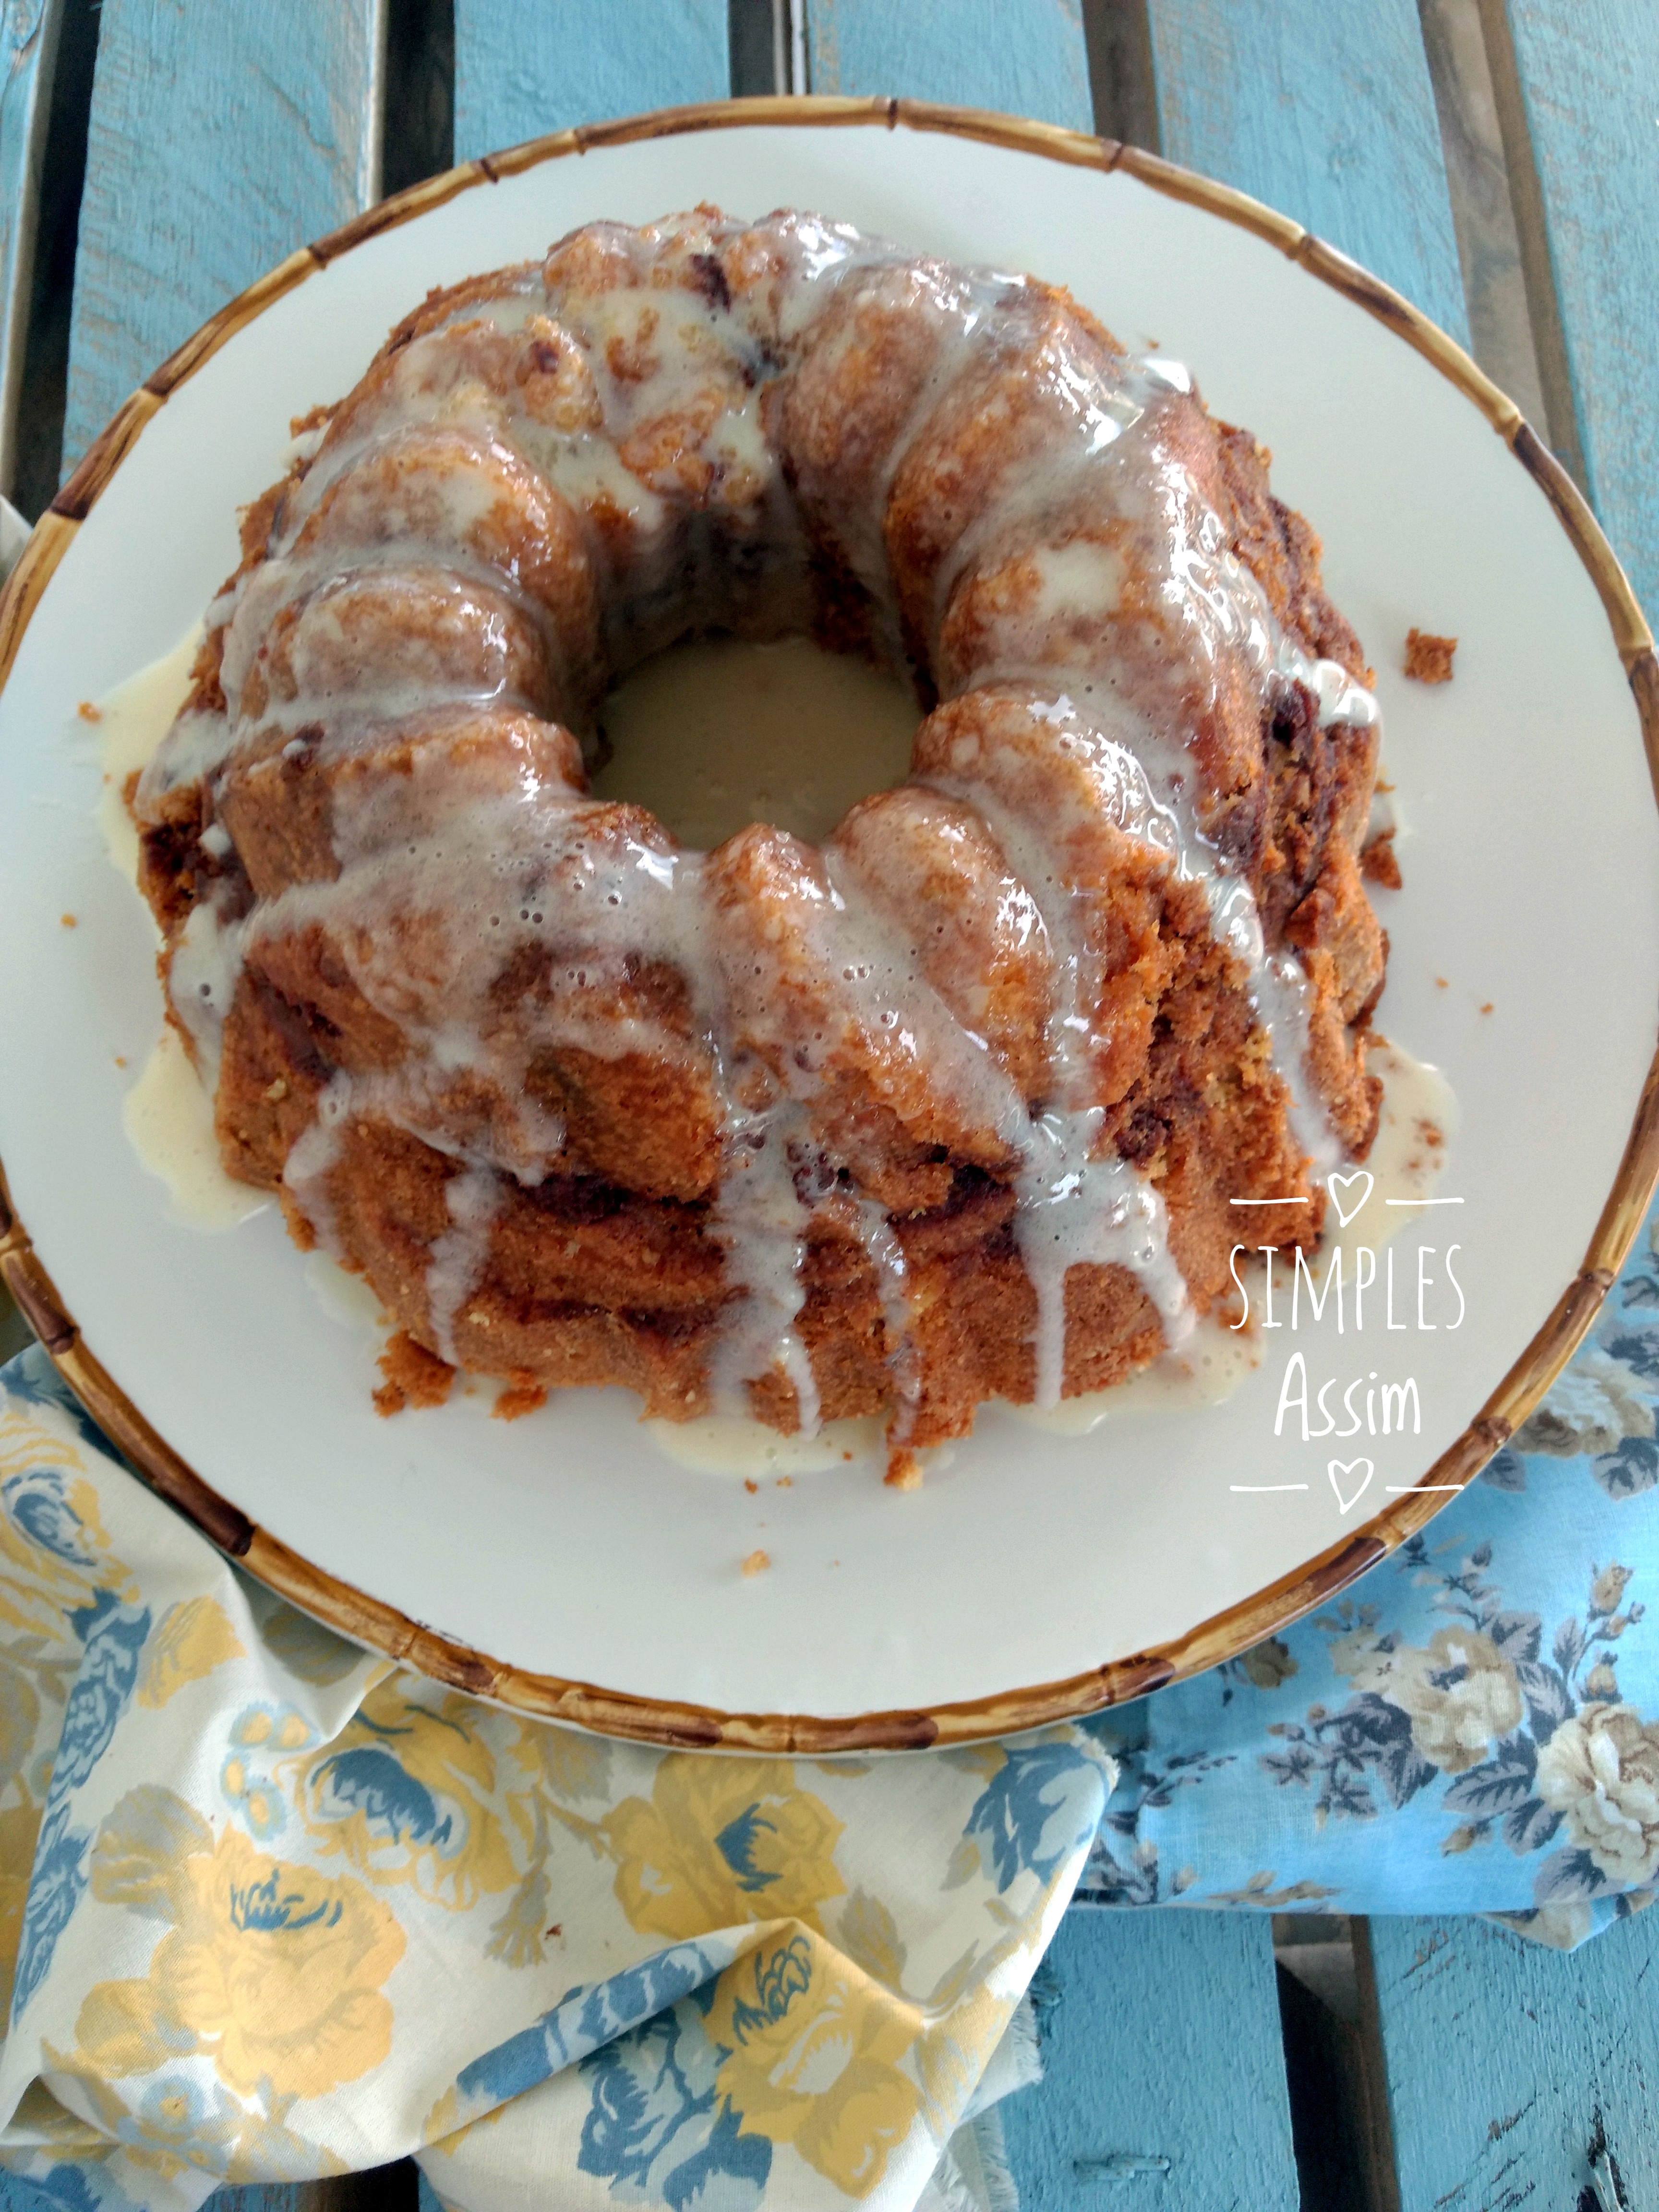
(604, 1262)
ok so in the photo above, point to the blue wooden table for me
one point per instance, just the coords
(1497, 161)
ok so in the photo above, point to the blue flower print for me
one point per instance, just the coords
(653, 2127)
(254, 1796)
(55, 1889)
(735, 1845)
(586, 2018)
(32, 1380)
(177, 2118)
(36, 1502)
(1042, 1803)
(114, 1635)
(368, 1780)
(66, 2186)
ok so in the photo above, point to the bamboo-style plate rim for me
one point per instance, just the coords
(583, 1704)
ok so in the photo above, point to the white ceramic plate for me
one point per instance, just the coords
(565, 1546)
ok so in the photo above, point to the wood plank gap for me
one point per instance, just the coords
(1332, 2119)
(33, 466)
(757, 40)
(418, 132)
(1560, 417)
(1483, 213)
(1118, 34)
(373, 97)
(28, 58)
(1382, 2166)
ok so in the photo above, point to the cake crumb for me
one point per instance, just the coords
(120, 1060)
(903, 1470)
(757, 1563)
(68, 920)
(1378, 863)
(1487, 1008)
(1428, 658)
(786, 1482)
(751, 1486)
(517, 1401)
(1441, 984)
(88, 713)
(413, 1377)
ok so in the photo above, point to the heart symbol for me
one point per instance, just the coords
(1362, 1467)
(1339, 1188)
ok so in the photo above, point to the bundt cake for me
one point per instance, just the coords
(955, 1107)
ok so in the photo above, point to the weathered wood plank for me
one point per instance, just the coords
(523, 67)
(1505, 2061)
(1488, 246)
(1326, 113)
(29, 49)
(1585, 72)
(1163, 2069)
(1025, 60)
(221, 136)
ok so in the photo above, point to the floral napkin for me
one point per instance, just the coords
(1473, 1728)
(272, 1908)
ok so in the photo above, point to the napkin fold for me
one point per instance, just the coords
(273, 1908)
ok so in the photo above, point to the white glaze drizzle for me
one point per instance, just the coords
(482, 876)
(760, 1221)
(474, 1198)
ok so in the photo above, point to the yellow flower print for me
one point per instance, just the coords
(53, 1546)
(813, 2049)
(722, 1842)
(20, 1827)
(174, 2126)
(273, 1971)
(193, 1638)
(20, 1719)
(403, 1792)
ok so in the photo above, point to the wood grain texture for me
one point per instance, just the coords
(527, 67)
(1586, 72)
(28, 46)
(1502, 2056)
(222, 136)
(1483, 212)
(1325, 112)
(1025, 60)
(1163, 2074)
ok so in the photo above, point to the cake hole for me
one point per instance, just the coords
(714, 735)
